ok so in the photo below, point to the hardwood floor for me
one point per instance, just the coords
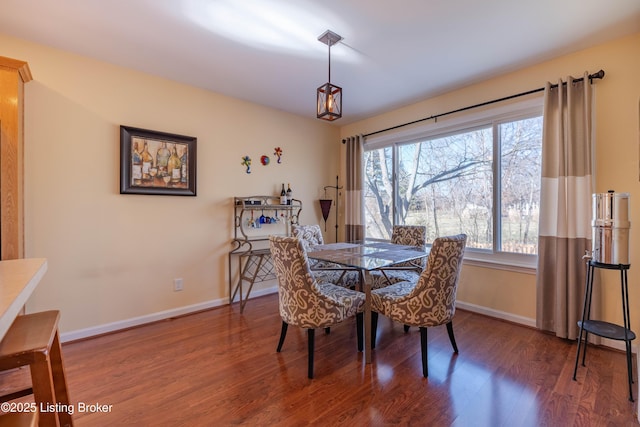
(220, 368)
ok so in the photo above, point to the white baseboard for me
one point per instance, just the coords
(153, 317)
(503, 315)
(614, 344)
(137, 321)
(264, 291)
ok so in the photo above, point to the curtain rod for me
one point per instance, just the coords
(598, 75)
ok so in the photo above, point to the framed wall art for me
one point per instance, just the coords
(158, 163)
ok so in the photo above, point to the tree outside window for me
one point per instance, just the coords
(447, 183)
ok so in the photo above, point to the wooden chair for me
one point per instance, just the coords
(431, 300)
(306, 303)
(410, 235)
(32, 340)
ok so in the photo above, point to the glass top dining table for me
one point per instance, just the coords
(366, 256)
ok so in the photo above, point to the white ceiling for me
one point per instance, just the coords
(267, 52)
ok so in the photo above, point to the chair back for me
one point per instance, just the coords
(310, 235)
(410, 235)
(438, 284)
(300, 300)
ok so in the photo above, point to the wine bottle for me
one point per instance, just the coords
(283, 196)
(289, 194)
(173, 166)
(147, 162)
(162, 158)
(183, 164)
(136, 164)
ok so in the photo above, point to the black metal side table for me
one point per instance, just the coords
(606, 329)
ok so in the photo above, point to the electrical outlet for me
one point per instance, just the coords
(177, 284)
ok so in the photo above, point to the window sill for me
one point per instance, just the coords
(507, 262)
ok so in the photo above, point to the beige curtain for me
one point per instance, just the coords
(565, 206)
(354, 203)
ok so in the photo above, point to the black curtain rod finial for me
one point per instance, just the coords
(598, 75)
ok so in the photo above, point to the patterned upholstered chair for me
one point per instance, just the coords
(309, 235)
(411, 235)
(306, 303)
(431, 301)
(324, 271)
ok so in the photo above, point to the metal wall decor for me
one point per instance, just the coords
(246, 162)
(278, 153)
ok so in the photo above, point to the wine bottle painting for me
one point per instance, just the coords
(156, 163)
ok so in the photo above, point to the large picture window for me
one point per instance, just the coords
(481, 178)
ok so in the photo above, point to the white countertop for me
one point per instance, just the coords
(18, 279)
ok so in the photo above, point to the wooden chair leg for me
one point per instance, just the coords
(374, 328)
(43, 390)
(406, 328)
(311, 337)
(60, 383)
(452, 338)
(327, 331)
(423, 346)
(359, 328)
(283, 333)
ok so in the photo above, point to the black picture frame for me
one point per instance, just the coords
(157, 173)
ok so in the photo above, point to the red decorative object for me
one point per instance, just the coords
(325, 207)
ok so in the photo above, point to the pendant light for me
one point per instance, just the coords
(329, 97)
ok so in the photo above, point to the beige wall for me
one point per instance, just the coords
(113, 257)
(617, 163)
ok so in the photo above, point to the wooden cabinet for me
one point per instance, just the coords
(13, 75)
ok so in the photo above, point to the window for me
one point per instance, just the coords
(479, 176)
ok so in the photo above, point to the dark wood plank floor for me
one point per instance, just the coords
(220, 368)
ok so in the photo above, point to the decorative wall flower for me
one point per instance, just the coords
(278, 153)
(246, 161)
